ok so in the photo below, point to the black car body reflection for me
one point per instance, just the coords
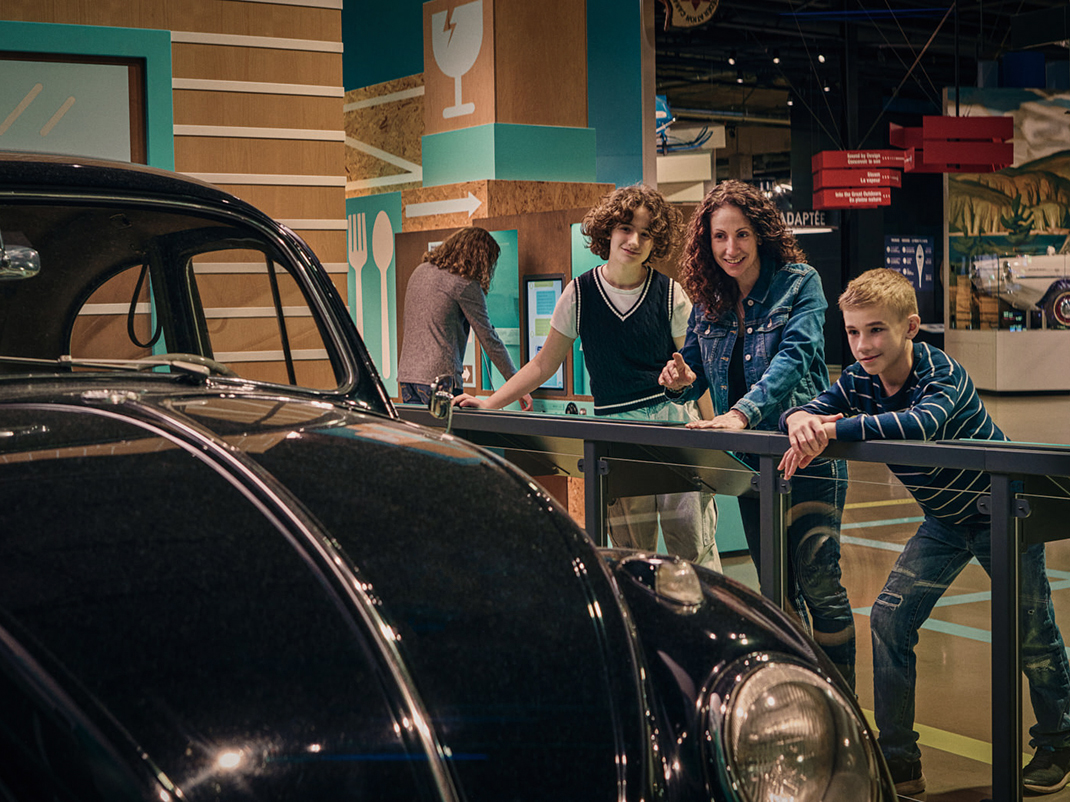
(229, 571)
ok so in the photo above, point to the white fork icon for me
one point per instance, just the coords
(358, 257)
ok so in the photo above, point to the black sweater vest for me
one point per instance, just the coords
(625, 353)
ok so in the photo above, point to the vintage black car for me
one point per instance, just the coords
(228, 571)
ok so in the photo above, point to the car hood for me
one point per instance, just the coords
(499, 606)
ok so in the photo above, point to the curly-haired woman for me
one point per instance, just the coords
(760, 310)
(630, 318)
(446, 297)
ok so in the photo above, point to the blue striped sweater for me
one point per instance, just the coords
(937, 402)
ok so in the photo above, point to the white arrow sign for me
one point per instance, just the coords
(451, 206)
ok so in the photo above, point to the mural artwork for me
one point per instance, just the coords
(1009, 231)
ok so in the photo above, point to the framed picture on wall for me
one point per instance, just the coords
(81, 105)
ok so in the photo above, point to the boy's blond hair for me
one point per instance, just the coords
(881, 287)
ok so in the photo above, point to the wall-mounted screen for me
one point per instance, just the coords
(540, 297)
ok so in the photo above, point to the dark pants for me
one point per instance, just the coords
(814, 584)
(413, 393)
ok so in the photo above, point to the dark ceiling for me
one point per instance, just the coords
(876, 58)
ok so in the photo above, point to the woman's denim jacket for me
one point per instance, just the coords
(783, 348)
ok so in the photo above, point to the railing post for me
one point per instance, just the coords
(594, 491)
(772, 490)
(1006, 644)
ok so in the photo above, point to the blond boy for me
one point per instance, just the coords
(903, 390)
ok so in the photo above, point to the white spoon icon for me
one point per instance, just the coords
(382, 255)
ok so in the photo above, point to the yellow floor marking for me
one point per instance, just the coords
(950, 742)
(857, 505)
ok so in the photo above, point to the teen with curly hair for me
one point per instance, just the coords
(444, 300)
(631, 318)
(760, 311)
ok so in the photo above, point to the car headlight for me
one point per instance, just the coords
(669, 578)
(788, 734)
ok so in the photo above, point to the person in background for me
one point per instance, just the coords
(630, 318)
(902, 390)
(445, 299)
(755, 339)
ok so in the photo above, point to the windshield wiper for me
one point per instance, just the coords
(191, 364)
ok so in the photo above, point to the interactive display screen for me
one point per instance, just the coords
(540, 297)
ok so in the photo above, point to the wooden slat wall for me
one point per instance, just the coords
(258, 97)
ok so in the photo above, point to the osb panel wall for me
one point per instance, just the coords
(257, 100)
(384, 124)
(498, 198)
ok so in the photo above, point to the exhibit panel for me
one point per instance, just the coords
(1008, 246)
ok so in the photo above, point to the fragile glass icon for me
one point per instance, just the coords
(456, 47)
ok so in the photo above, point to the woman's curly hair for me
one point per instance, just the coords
(619, 206)
(703, 279)
(469, 252)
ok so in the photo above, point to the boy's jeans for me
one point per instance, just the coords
(815, 589)
(929, 562)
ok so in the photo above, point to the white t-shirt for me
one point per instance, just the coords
(564, 317)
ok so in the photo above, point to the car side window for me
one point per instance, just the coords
(258, 321)
(113, 324)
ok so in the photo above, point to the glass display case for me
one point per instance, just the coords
(1012, 292)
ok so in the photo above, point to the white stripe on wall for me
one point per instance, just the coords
(404, 94)
(271, 180)
(256, 268)
(238, 132)
(256, 87)
(386, 156)
(267, 42)
(218, 312)
(315, 225)
(335, 4)
(113, 309)
(301, 354)
(382, 181)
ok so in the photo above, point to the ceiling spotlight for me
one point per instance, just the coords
(739, 76)
(732, 58)
(776, 56)
(821, 57)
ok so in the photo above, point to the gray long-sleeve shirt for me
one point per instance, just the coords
(440, 308)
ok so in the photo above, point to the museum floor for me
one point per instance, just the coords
(953, 715)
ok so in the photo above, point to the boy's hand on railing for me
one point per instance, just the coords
(677, 374)
(793, 461)
(809, 435)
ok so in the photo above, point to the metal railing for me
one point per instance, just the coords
(1025, 504)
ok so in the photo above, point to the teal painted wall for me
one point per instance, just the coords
(505, 152)
(383, 41)
(373, 222)
(615, 88)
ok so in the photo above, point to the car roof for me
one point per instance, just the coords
(28, 170)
